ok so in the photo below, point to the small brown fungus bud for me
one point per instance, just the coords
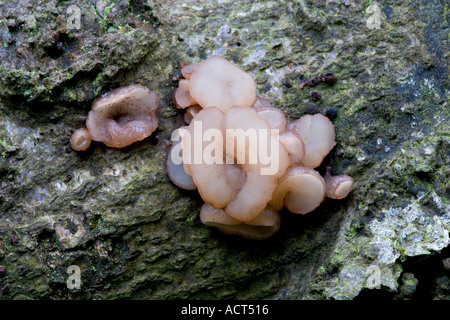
(330, 112)
(59, 46)
(191, 112)
(317, 132)
(14, 238)
(337, 187)
(182, 97)
(175, 170)
(80, 139)
(314, 95)
(2, 271)
(329, 78)
(294, 146)
(287, 83)
(258, 187)
(176, 76)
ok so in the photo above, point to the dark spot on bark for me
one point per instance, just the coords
(330, 112)
(6, 288)
(14, 238)
(311, 108)
(314, 95)
(329, 78)
(287, 83)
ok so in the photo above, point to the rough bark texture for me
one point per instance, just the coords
(116, 215)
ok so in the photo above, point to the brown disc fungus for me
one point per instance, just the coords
(80, 139)
(119, 118)
(337, 187)
(246, 160)
(191, 112)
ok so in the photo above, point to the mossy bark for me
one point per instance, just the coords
(116, 215)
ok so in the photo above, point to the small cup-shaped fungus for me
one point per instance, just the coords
(261, 227)
(301, 190)
(273, 116)
(216, 82)
(175, 169)
(337, 187)
(294, 146)
(317, 132)
(181, 96)
(191, 112)
(261, 103)
(123, 116)
(80, 139)
(188, 69)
